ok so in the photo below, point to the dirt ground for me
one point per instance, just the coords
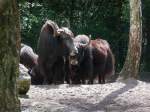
(129, 96)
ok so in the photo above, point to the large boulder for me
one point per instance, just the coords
(24, 80)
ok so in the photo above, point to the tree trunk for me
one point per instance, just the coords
(9, 101)
(132, 62)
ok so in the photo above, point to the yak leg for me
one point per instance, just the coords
(91, 77)
(58, 71)
(67, 70)
(89, 64)
(42, 72)
(50, 68)
(82, 77)
(102, 72)
(46, 72)
(75, 77)
(76, 80)
(101, 78)
(36, 77)
(83, 81)
(90, 72)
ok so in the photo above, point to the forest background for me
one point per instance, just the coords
(106, 19)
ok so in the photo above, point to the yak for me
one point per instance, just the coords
(29, 59)
(27, 56)
(54, 48)
(94, 59)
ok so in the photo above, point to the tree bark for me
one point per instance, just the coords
(132, 62)
(9, 61)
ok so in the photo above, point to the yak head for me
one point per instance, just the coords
(64, 36)
(67, 37)
(82, 43)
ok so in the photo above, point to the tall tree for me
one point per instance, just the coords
(132, 62)
(9, 38)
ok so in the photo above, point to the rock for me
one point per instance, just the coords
(24, 80)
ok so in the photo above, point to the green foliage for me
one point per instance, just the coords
(30, 22)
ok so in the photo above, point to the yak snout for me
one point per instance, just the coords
(73, 57)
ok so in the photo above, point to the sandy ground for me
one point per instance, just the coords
(131, 96)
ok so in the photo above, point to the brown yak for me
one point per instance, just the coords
(94, 59)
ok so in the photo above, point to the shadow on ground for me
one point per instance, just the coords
(106, 104)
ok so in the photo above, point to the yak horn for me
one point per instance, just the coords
(54, 27)
(86, 44)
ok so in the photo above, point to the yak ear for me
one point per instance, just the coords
(52, 27)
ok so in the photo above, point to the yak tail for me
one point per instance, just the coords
(110, 63)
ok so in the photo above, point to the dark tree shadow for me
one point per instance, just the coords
(82, 104)
(109, 99)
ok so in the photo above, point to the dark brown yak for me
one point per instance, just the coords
(54, 47)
